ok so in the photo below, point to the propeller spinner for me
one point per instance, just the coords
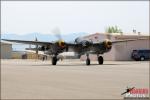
(108, 44)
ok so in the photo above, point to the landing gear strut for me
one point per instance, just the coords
(87, 60)
(100, 60)
(54, 60)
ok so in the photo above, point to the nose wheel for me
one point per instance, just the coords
(100, 60)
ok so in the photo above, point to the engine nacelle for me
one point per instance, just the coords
(61, 43)
(107, 44)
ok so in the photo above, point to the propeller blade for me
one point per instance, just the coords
(57, 33)
(36, 46)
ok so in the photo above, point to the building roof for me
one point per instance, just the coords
(121, 36)
(8, 43)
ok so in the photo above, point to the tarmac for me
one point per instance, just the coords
(71, 79)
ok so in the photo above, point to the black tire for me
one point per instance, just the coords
(142, 58)
(54, 60)
(100, 60)
(136, 59)
(87, 61)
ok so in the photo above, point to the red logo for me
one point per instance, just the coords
(136, 93)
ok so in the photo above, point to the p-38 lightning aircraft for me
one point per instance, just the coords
(80, 46)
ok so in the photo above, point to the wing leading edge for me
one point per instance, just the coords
(119, 41)
(29, 42)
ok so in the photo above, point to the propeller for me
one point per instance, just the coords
(107, 41)
(36, 46)
(60, 42)
(57, 33)
(36, 49)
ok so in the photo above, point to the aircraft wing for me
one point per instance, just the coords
(29, 42)
(74, 46)
(119, 41)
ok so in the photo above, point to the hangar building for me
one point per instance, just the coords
(120, 51)
(6, 50)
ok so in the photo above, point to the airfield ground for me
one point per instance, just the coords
(70, 79)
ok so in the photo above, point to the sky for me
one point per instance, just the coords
(73, 16)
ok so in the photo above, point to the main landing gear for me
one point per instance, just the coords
(87, 59)
(99, 58)
(54, 60)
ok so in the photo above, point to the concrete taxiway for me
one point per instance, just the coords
(71, 79)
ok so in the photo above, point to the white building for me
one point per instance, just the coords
(120, 51)
(6, 50)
